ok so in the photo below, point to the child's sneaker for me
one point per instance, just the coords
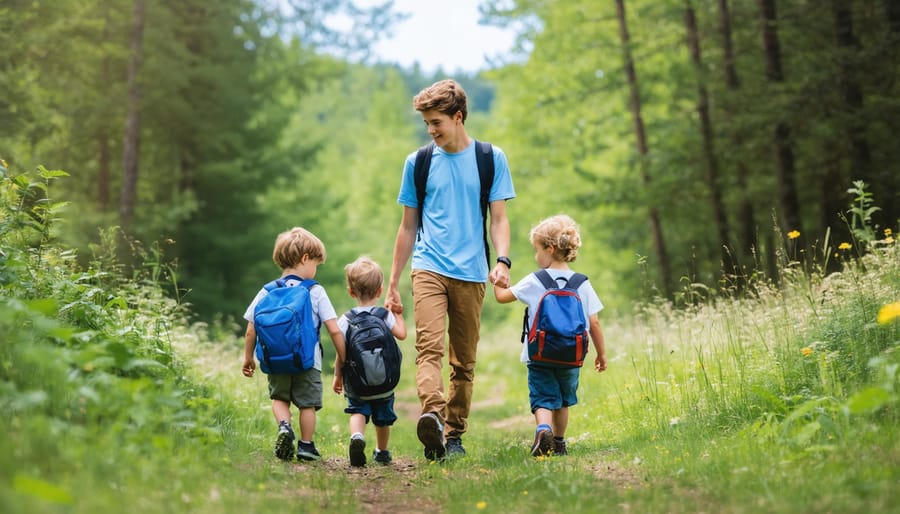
(543, 442)
(284, 443)
(382, 456)
(431, 433)
(307, 451)
(357, 452)
(559, 446)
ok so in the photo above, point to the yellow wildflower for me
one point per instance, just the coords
(7, 166)
(793, 234)
(888, 313)
(806, 351)
(887, 232)
(889, 240)
(844, 246)
(481, 504)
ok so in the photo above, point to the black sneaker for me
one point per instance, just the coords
(455, 447)
(543, 443)
(307, 451)
(431, 433)
(559, 447)
(382, 456)
(284, 442)
(357, 452)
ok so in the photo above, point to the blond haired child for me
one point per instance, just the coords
(298, 252)
(551, 389)
(365, 283)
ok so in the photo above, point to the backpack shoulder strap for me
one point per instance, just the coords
(484, 157)
(420, 175)
(546, 280)
(575, 281)
(308, 283)
(380, 312)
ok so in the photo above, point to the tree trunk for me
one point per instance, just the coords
(103, 172)
(746, 213)
(133, 123)
(659, 244)
(860, 156)
(786, 172)
(709, 156)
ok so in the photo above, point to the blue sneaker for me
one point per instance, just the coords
(431, 433)
(543, 443)
(307, 451)
(284, 443)
(357, 452)
(382, 457)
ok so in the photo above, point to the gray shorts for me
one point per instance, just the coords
(302, 389)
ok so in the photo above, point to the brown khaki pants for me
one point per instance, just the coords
(440, 305)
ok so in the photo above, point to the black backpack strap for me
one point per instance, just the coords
(546, 280)
(484, 156)
(380, 312)
(575, 281)
(420, 177)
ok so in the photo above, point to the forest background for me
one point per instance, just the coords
(690, 139)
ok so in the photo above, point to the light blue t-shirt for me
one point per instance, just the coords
(451, 242)
(321, 307)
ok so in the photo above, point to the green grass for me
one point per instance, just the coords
(786, 402)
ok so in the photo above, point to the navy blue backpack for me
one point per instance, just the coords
(286, 335)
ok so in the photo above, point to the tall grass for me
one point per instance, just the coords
(112, 399)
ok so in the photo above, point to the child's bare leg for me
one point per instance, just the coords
(560, 421)
(281, 410)
(382, 437)
(357, 424)
(307, 423)
(543, 416)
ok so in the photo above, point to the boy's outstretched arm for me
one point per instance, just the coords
(403, 248)
(399, 329)
(249, 365)
(340, 350)
(503, 294)
(599, 344)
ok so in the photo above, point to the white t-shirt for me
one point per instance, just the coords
(344, 323)
(321, 307)
(529, 291)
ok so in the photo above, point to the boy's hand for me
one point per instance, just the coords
(393, 302)
(248, 368)
(600, 363)
(338, 384)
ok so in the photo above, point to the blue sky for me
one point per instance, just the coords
(443, 34)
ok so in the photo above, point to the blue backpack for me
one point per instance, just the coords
(558, 335)
(372, 368)
(286, 335)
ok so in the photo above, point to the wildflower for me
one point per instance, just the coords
(888, 313)
(793, 234)
(3, 163)
(887, 232)
(888, 240)
(807, 351)
(481, 504)
(844, 246)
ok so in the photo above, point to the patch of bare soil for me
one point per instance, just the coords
(386, 489)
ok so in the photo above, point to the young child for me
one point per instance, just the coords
(297, 252)
(365, 282)
(551, 390)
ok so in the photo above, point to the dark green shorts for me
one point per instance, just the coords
(302, 389)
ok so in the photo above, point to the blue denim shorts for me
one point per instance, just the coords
(381, 410)
(552, 388)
